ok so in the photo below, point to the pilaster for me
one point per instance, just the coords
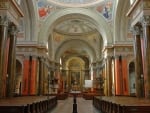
(146, 35)
(138, 60)
(3, 38)
(12, 61)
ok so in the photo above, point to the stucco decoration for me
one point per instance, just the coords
(44, 9)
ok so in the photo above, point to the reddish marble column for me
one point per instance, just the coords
(118, 76)
(12, 62)
(146, 35)
(25, 85)
(3, 37)
(33, 78)
(138, 61)
(125, 76)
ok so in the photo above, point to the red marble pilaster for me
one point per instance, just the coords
(118, 77)
(125, 76)
(25, 76)
(33, 77)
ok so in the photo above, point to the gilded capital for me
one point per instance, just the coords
(4, 20)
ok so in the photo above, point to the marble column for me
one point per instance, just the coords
(146, 34)
(138, 61)
(3, 37)
(105, 79)
(40, 81)
(118, 75)
(11, 61)
(30, 75)
(109, 76)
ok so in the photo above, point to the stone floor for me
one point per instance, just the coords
(66, 106)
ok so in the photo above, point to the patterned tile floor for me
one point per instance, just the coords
(66, 106)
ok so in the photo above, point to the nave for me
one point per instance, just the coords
(66, 106)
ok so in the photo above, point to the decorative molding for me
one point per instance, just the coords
(146, 4)
(4, 5)
(4, 20)
(17, 7)
(137, 30)
(132, 8)
(12, 10)
(145, 20)
(13, 30)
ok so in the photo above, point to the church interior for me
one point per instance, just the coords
(95, 51)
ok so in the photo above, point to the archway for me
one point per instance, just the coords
(75, 76)
(74, 43)
(97, 20)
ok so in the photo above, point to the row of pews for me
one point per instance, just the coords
(28, 104)
(117, 104)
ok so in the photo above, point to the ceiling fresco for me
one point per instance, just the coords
(47, 7)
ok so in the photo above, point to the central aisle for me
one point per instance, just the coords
(66, 106)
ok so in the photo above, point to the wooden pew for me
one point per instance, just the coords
(32, 104)
(122, 104)
(12, 109)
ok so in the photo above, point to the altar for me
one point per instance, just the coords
(75, 93)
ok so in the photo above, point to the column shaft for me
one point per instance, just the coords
(40, 92)
(146, 31)
(138, 61)
(11, 62)
(3, 37)
(109, 76)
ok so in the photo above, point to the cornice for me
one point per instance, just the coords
(17, 7)
(75, 34)
(132, 8)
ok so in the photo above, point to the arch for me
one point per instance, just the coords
(31, 19)
(75, 43)
(81, 61)
(75, 76)
(121, 21)
(97, 19)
